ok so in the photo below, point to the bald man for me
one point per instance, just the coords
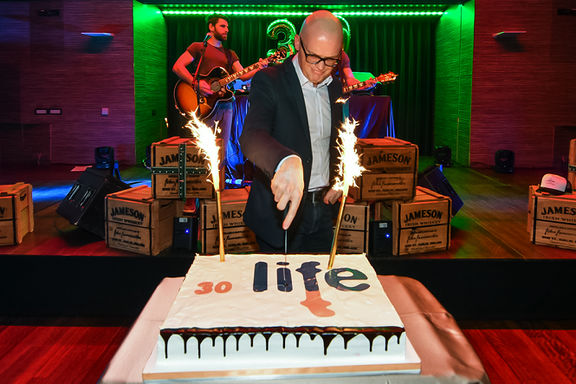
(290, 135)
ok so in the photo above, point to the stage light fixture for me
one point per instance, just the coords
(104, 157)
(443, 156)
(504, 161)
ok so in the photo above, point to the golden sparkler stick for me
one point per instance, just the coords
(348, 169)
(337, 232)
(206, 141)
(220, 225)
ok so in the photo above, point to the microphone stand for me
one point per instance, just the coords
(198, 98)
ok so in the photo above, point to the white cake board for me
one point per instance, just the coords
(410, 365)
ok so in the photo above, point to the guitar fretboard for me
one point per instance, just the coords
(390, 76)
(228, 79)
(270, 59)
(355, 86)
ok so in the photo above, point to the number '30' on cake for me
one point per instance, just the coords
(266, 315)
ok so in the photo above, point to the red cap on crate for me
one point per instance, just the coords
(554, 184)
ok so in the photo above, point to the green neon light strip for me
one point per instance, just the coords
(292, 6)
(299, 13)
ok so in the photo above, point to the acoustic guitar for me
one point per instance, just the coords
(385, 78)
(187, 101)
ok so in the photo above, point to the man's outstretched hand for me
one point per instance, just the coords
(288, 187)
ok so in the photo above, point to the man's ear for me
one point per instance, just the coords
(297, 42)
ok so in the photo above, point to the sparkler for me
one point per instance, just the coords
(349, 169)
(206, 141)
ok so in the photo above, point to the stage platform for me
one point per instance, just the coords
(62, 270)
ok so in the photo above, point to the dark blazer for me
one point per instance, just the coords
(276, 126)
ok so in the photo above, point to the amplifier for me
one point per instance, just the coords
(185, 233)
(380, 239)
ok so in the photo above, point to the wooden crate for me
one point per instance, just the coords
(552, 219)
(16, 213)
(391, 168)
(137, 222)
(419, 226)
(353, 236)
(238, 238)
(167, 161)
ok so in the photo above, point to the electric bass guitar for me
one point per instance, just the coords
(385, 78)
(187, 101)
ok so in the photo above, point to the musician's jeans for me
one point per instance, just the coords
(224, 115)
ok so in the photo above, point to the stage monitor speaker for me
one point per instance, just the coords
(185, 233)
(504, 161)
(84, 204)
(104, 157)
(380, 239)
(433, 178)
(443, 156)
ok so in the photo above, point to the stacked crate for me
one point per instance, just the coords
(353, 236)
(16, 213)
(420, 225)
(552, 219)
(180, 170)
(391, 166)
(419, 218)
(137, 222)
(141, 219)
(238, 238)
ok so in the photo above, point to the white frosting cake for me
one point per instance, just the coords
(276, 314)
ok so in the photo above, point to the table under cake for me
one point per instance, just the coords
(446, 355)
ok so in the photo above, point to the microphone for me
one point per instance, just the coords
(208, 36)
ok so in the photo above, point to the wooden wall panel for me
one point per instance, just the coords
(454, 45)
(14, 45)
(60, 67)
(523, 87)
(150, 74)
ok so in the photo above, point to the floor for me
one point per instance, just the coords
(492, 224)
(511, 352)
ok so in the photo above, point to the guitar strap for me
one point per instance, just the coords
(229, 59)
(196, 63)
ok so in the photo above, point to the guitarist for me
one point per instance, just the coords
(344, 72)
(210, 54)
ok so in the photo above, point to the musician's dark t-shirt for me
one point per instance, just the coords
(338, 70)
(214, 57)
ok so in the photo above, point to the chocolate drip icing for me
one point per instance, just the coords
(165, 336)
(237, 336)
(327, 334)
(200, 338)
(298, 335)
(371, 341)
(267, 336)
(327, 339)
(224, 340)
(347, 336)
(185, 338)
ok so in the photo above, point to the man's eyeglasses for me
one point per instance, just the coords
(315, 59)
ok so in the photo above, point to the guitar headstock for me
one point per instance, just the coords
(387, 77)
(280, 54)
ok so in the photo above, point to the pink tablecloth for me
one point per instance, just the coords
(446, 355)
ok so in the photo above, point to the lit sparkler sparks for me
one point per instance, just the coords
(349, 169)
(206, 140)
